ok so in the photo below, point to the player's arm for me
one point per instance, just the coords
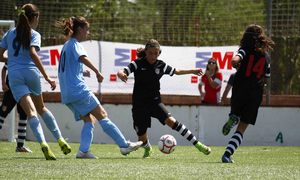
(3, 79)
(34, 56)
(85, 60)
(235, 62)
(124, 73)
(2, 57)
(225, 93)
(191, 71)
(200, 88)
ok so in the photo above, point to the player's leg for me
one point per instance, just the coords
(8, 103)
(21, 131)
(165, 117)
(19, 82)
(141, 122)
(113, 131)
(51, 123)
(248, 114)
(234, 142)
(237, 104)
(186, 133)
(230, 123)
(29, 108)
(148, 151)
(86, 138)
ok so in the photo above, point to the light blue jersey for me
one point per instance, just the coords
(23, 75)
(18, 57)
(72, 84)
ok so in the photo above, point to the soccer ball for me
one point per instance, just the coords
(167, 144)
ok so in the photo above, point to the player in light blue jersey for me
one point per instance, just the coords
(24, 68)
(77, 96)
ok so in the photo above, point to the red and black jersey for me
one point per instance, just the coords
(146, 79)
(253, 68)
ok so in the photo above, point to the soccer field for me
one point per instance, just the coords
(255, 162)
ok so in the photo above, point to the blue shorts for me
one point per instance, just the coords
(25, 81)
(83, 106)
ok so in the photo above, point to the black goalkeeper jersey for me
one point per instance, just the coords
(146, 79)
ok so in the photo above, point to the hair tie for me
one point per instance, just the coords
(21, 12)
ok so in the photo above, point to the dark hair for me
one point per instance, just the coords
(70, 25)
(26, 15)
(255, 38)
(152, 43)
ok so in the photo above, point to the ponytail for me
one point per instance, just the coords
(26, 15)
(70, 25)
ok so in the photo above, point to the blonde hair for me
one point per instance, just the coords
(217, 64)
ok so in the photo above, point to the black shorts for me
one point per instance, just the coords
(8, 103)
(245, 104)
(142, 114)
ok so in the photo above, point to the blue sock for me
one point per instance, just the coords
(36, 128)
(113, 131)
(51, 124)
(86, 136)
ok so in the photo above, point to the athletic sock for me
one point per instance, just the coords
(36, 128)
(233, 143)
(113, 131)
(86, 137)
(51, 124)
(185, 132)
(21, 132)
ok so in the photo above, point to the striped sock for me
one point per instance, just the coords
(1, 121)
(233, 143)
(185, 132)
(21, 132)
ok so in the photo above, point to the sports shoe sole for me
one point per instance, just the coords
(23, 150)
(229, 125)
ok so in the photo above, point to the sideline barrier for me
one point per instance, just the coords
(276, 126)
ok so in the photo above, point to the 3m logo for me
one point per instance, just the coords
(49, 56)
(124, 56)
(202, 58)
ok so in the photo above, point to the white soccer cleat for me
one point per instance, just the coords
(87, 155)
(132, 146)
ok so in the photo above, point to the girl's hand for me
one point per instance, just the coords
(51, 82)
(198, 72)
(99, 77)
(122, 76)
